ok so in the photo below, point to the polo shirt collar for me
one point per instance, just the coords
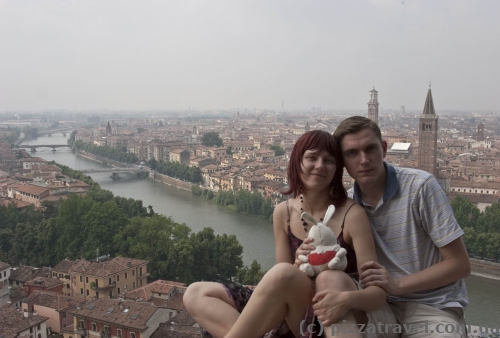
(391, 185)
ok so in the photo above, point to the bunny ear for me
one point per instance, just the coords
(329, 213)
(308, 217)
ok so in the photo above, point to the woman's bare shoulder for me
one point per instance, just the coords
(281, 208)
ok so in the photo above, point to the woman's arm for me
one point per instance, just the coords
(283, 249)
(357, 228)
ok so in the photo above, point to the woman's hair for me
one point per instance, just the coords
(317, 140)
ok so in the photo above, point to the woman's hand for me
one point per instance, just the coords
(304, 249)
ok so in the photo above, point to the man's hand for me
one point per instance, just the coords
(330, 306)
(374, 274)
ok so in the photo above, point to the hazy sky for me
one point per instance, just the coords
(140, 55)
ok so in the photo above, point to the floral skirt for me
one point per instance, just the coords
(240, 295)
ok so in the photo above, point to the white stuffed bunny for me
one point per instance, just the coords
(328, 254)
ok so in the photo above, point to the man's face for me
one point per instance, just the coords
(363, 155)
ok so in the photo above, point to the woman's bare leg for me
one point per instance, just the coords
(210, 306)
(283, 293)
(340, 281)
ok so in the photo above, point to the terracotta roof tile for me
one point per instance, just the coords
(13, 322)
(106, 268)
(108, 310)
(53, 300)
(147, 291)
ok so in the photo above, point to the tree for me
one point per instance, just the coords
(278, 151)
(466, 213)
(211, 139)
(229, 150)
(489, 220)
(250, 276)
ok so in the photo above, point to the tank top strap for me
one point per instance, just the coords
(342, 227)
(288, 211)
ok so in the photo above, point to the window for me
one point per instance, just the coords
(133, 272)
(109, 281)
(87, 292)
(64, 314)
(82, 324)
(67, 286)
(132, 335)
(38, 327)
(106, 329)
(119, 333)
(140, 282)
(125, 275)
(140, 271)
(86, 279)
(110, 294)
(118, 290)
(94, 327)
(53, 274)
(81, 278)
(81, 291)
(133, 285)
(117, 278)
(31, 329)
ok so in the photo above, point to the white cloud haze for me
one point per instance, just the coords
(245, 54)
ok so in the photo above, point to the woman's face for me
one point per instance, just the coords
(317, 170)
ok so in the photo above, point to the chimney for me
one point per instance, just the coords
(26, 315)
(35, 313)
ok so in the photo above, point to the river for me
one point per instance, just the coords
(256, 236)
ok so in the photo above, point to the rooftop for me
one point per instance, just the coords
(125, 313)
(108, 267)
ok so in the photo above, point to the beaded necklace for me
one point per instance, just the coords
(304, 223)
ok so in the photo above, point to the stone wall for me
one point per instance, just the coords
(483, 268)
(170, 181)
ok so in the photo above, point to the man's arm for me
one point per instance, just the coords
(454, 265)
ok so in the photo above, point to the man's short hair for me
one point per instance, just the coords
(354, 124)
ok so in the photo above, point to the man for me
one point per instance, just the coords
(422, 259)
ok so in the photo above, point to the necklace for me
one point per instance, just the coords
(304, 223)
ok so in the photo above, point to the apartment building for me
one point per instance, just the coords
(106, 318)
(53, 305)
(107, 277)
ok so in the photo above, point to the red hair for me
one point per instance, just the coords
(317, 140)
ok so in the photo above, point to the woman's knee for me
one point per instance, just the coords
(334, 279)
(197, 291)
(285, 275)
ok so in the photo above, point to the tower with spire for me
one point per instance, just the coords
(373, 106)
(428, 131)
(108, 130)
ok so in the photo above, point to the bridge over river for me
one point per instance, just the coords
(115, 172)
(34, 146)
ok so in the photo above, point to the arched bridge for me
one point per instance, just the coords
(34, 146)
(115, 170)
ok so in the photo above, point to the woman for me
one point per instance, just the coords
(286, 293)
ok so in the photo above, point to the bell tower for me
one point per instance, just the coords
(427, 139)
(373, 106)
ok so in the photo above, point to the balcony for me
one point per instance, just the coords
(80, 331)
(103, 288)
